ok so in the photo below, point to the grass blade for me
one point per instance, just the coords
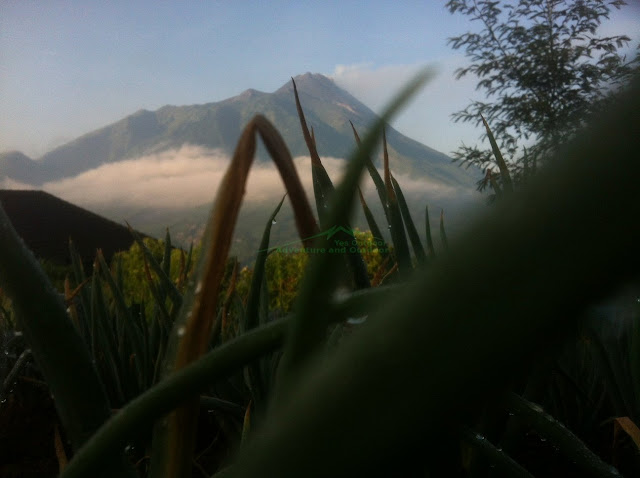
(252, 313)
(377, 179)
(568, 444)
(443, 232)
(323, 190)
(253, 299)
(502, 165)
(373, 226)
(432, 251)
(504, 464)
(396, 226)
(309, 324)
(408, 221)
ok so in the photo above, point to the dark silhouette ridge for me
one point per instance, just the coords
(46, 223)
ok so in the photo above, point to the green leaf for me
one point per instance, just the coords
(503, 463)
(251, 317)
(373, 226)
(443, 233)
(502, 165)
(377, 179)
(309, 325)
(432, 252)
(323, 190)
(568, 444)
(396, 226)
(253, 299)
(408, 221)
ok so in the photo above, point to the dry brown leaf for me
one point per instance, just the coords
(196, 331)
(626, 424)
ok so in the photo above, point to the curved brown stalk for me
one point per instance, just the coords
(191, 334)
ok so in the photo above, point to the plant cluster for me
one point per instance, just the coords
(427, 363)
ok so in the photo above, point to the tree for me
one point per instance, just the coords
(546, 71)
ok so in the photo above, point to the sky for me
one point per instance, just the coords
(70, 67)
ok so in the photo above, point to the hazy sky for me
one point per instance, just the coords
(69, 67)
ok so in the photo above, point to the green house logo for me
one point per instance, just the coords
(341, 245)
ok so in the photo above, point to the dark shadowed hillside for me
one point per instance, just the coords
(46, 223)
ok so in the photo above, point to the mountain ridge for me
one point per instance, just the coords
(218, 125)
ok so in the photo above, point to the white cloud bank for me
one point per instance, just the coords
(190, 176)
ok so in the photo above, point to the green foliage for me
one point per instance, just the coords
(136, 275)
(284, 271)
(423, 378)
(545, 71)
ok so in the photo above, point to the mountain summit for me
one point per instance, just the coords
(327, 107)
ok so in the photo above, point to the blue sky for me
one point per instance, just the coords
(69, 67)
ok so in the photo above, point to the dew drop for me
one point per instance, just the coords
(274, 221)
(389, 226)
(542, 439)
(181, 331)
(357, 320)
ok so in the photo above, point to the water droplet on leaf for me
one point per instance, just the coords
(357, 320)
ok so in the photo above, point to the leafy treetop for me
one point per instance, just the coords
(545, 70)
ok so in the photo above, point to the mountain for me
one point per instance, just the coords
(327, 107)
(22, 168)
(427, 177)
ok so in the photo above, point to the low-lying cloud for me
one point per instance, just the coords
(8, 183)
(190, 176)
